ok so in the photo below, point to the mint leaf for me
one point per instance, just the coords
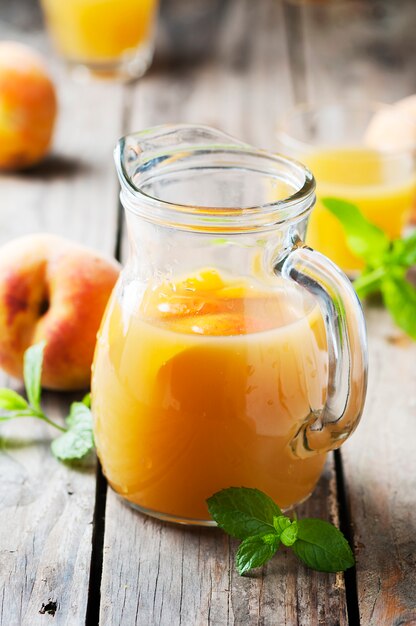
(400, 299)
(18, 413)
(243, 512)
(280, 523)
(32, 372)
(364, 238)
(370, 281)
(388, 263)
(78, 440)
(323, 547)
(87, 400)
(79, 413)
(404, 250)
(255, 551)
(11, 401)
(240, 511)
(290, 534)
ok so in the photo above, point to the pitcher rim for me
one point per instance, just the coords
(294, 206)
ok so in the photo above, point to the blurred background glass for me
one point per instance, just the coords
(115, 38)
(351, 49)
(334, 142)
(109, 38)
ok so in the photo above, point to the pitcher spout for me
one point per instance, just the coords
(148, 149)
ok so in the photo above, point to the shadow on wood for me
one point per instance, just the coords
(56, 166)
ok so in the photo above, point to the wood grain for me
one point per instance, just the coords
(380, 470)
(46, 508)
(241, 86)
(160, 574)
(155, 573)
(46, 523)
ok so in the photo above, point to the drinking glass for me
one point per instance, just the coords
(352, 49)
(105, 38)
(334, 142)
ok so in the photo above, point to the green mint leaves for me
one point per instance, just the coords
(365, 239)
(387, 263)
(255, 551)
(321, 546)
(77, 439)
(254, 517)
(11, 401)
(400, 299)
(243, 513)
(32, 373)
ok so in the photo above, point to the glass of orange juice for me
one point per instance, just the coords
(106, 38)
(334, 142)
(230, 354)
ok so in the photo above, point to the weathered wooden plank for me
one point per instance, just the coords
(46, 523)
(155, 573)
(46, 508)
(241, 87)
(158, 574)
(380, 470)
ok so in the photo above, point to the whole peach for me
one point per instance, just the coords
(27, 106)
(394, 127)
(56, 290)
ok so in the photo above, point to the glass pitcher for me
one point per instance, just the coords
(230, 354)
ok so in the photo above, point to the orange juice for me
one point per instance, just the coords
(99, 30)
(204, 385)
(380, 184)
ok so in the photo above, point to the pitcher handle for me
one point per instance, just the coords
(347, 350)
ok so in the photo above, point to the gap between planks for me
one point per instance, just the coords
(97, 551)
(345, 525)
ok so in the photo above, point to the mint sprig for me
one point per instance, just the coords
(387, 262)
(243, 513)
(77, 439)
(251, 515)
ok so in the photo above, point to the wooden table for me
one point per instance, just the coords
(70, 551)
